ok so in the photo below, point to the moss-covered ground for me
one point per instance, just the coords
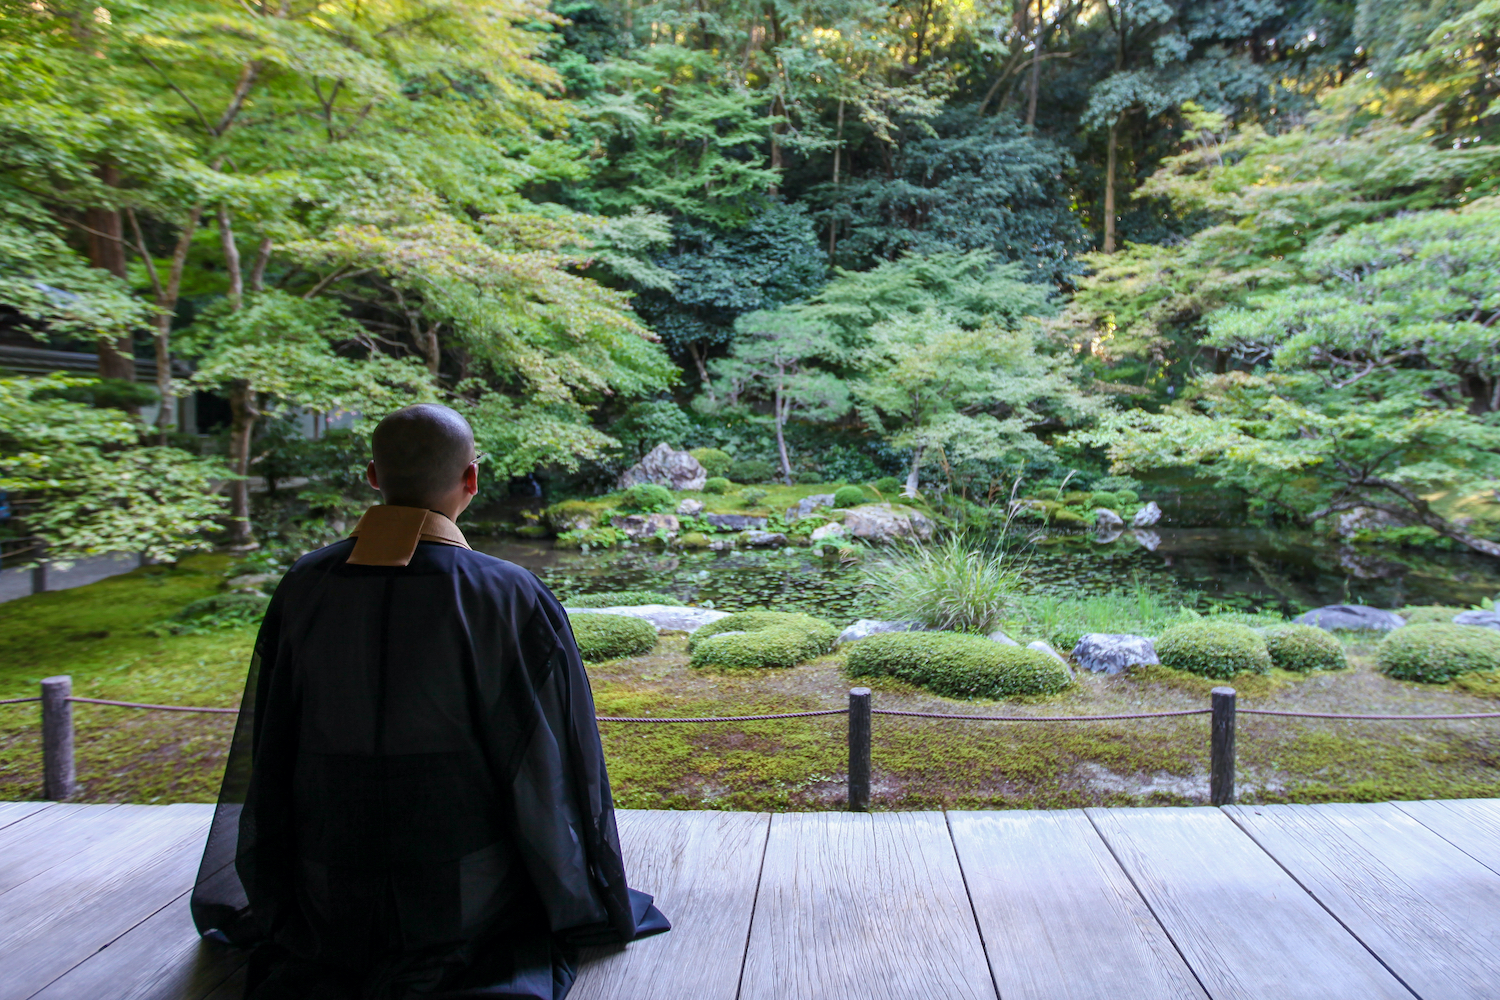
(101, 636)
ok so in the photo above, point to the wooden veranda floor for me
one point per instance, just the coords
(1350, 901)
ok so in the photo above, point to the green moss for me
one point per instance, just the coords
(1427, 614)
(572, 515)
(647, 498)
(848, 496)
(1106, 500)
(1215, 650)
(534, 531)
(693, 540)
(1303, 648)
(608, 637)
(621, 599)
(808, 637)
(957, 665)
(1435, 653)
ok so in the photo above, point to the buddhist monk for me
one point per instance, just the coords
(416, 802)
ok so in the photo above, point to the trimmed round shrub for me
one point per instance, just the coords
(848, 496)
(797, 637)
(1108, 501)
(1426, 614)
(608, 637)
(1213, 649)
(808, 478)
(887, 485)
(1435, 653)
(956, 665)
(1303, 648)
(621, 599)
(717, 485)
(1128, 497)
(714, 461)
(648, 498)
(751, 470)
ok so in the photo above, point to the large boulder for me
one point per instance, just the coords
(1146, 516)
(866, 627)
(642, 527)
(807, 505)
(1107, 520)
(1484, 619)
(1351, 617)
(735, 522)
(665, 617)
(1111, 654)
(884, 523)
(676, 470)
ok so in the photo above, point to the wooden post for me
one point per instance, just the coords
(39, 578)
(1221, 749)
(58, 775)
(859, 749)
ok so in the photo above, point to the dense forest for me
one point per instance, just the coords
(966, 244)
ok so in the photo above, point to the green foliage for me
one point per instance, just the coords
(609, 637)
(1435, 653)
(956, 665)
(621, 599)
(887, 485)
(798, 637)
(1108, 501)
(749, 498)
(1303, 648)
(1428, 614)
(647, 498)
(848, 496)
(752, 471)
(1209, 649)
(951, 585)
(714, 461)
(646, 424)
(717, 485)
(807, 478)
(221, 611)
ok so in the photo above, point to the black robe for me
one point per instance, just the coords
(416, 801)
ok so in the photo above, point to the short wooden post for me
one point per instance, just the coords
(58, 775)
(859, 749)
(39, 577)
(1221, 749)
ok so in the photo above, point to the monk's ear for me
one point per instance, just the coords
(471, 479)
(370, 476)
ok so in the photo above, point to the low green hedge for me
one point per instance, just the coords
(1213, 649)
(622, 599)
(848, 496)
(762, 639)
(1303, 648)
(1426, 614)
(1436, 652)
(608, 637)
(957, 665)
(716, 485)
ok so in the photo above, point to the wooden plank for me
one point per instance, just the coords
(1058, 917)
(1471, 825)
(14, 812)
(1246, 929)
(863, 906)
(54, 921)
(232, 988)
(161, 958)
(49, 838)
(702, 868)
(1431, 912)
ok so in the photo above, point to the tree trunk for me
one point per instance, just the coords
(697, 356)
(781, 414)
(432, 350)
(241, 426)
(838, 148)
(1109, 193)
(107, 252)
(236, 290)
(262, 259)
(1036, 68)
(913, 478)
(166, 307)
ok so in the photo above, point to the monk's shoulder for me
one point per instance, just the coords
(499, 574)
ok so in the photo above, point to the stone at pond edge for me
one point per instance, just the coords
(807, 505)
(884, 523)
(643, 527)
(1002, 638)
(1351, 617)
(1146, 516)
(735, 522)
(1104, 519)
(763, 539)
(675, 470)
(690, 508)
(1110, 654)
(832, 530)
(663, 616)
(866, 627)
(693, 540)
(1043, 647)
(1484, 619)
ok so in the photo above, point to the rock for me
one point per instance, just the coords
(693, 540)
(827, 531)
(884, 523)
(807, 505)
(1042, 647)
(663, 616)
(570, 521)
(1351, 617)
(1111, 654)
(721, 545)
(1105, 519)
(675, 470)
(763, 539)
(1352, 522)
(866, 627)
(1484, 619)
(253, 583)
(735, 522)
(1002, 638)
(1147, 540)
(643, 527)
(1146, 516)
(690, 508)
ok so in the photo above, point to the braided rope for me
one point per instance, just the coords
(1040, 718)
(728, 718)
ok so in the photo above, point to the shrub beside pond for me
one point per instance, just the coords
(1436, 652)
(621, 599)
(956, 665)
(1213, 649)
(761, 639)
(608, 637)
(1303, 648)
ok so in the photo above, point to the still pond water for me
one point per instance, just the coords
(1245, 568)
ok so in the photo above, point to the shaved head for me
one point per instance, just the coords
(421, 453)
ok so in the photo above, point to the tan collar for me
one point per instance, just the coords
(389, 535)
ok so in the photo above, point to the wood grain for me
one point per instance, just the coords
(863, 906)
(49, 838)
(1246, 929)
(1060, 920)
(702, 868)
(52, 922)
(14, 812)
(1471, 825)
(1431, 912)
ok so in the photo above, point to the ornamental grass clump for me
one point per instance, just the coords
(1437, 652)
(760, 639)
(622, 599)
(956, 665)
(1303, 648)
(1216, 650)
(609, 637)
(949, 587)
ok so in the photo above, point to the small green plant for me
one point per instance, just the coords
(887, 486)
(220, 611)
(1302, 648)
(647, 498)
(951, 586)
(714, 461)
(717, 485)
(848, 496)
(750, 498)
(1106, 500)
(957, 665)
(761, 639)
(808, 478)
(1215, 650)
(752, 471)
(1435, 653)
(1128, 498)
(1426, 614)
(609, 637)
(621, 599)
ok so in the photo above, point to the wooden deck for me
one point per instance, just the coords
(1256, 902)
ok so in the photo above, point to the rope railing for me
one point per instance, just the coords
(59, 771)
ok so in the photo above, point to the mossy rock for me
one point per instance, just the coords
(693, 540)
(1436, 652)
(622, 599)
(609, 637)
(1303, 648)
(1427, 614)
(534, 531)
(762, 639)
(1214, 649)
(572, 515)
(957, 665)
